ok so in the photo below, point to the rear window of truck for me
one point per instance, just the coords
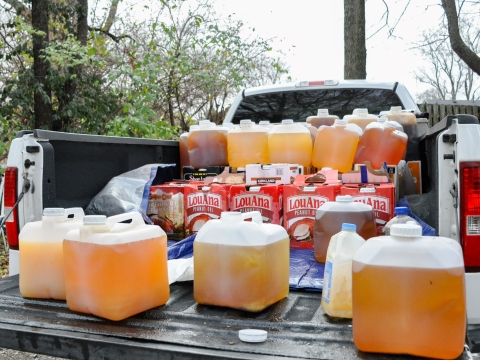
(298, 105)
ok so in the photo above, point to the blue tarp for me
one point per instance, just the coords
(305, 272)
(427, 230)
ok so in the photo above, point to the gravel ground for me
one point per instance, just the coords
(8, 354)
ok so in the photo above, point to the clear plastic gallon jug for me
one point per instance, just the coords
(322, 118)
(330, 216)
(361, 117)
(400, 217)
(241, 264)
(335, 147)
(207, 145)
(42, 272)
(337, 279)
(247, 145)
(313, 131)
(116, 270)
(409, 124)
(290, 143)
(183, 140)
(381, 142)
(383, 118)
(409, 295)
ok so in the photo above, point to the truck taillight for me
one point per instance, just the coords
(10, 198)
(470, 213)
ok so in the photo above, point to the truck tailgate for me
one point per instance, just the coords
(182, 329)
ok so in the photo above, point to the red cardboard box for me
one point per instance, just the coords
(203, 203)
(268, 199)
(380, 196)
(300, 204)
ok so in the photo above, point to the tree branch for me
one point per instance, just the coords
(456, 41)
(110, 35)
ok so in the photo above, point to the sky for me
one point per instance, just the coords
(310, 34)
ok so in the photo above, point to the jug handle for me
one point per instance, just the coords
(134, 216)
(254, 215)
(77, 213)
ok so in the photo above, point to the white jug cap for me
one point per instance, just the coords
(382, 119)
(204, 122)
(245, 121)
(252, 335)
(406, 230)
(368, 190)
(396, 108)
(340, 122)
(53, 212)
(95, 220)
(360, 111)
(389, 124)
(287, 121)
(322, 112)
(344, 198)
(264, 122)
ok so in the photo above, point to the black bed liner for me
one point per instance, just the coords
(182, 329)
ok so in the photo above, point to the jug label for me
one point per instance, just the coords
(327, 281)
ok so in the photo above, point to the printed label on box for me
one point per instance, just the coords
(165, 208)
(268, 200)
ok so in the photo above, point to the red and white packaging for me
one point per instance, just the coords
(380, 196)
(203, 203)
(165, 208)
(268, 199)
(300, 204)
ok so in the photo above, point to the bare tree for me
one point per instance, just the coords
(355, 50)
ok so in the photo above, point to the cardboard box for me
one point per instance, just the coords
(280, 174)
(203, 203)
(189, 173)
(165, 208)
(268, 199)
(300, 204)
(416, 170)
(380, 196)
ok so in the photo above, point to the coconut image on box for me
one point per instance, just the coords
(41, 259)
(241, 264)
(114, 269)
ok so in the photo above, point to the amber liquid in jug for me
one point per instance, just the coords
(207, 145)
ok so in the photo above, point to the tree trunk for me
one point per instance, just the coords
(355, 51)
(456, 41)
(42, 97)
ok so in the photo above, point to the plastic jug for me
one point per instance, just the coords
(42, 272)
(361, 117)
(381, 142)
(400, 217)
(290, 143)
(337, 279)
(382, 120)
(207, 145)
(241, 264)
(313, 131)
(409, 124)
(330, 216)
(247, 145)
(113, 269)
(266, 124)
(409, 295)
(183, 140)
(335, 147)
(322, 118)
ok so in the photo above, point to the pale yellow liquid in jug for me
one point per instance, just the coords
(247, 148)
(334, 148)
(412, 311)
(42, 276)
(116, 281)
(207, 147)
(291, 148)
(259, 273)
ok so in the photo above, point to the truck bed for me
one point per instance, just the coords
(182, 329)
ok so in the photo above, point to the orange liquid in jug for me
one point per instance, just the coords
(242, 277)
(184, 158)
(418, 311)
(207, 148)
(42, 276)
(330, 223)
(290, 148)
(335, 148)
(377, 145)
(247, 148)
(319, 121)
(116, 281)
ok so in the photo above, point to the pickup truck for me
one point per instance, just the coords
(53, 169)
